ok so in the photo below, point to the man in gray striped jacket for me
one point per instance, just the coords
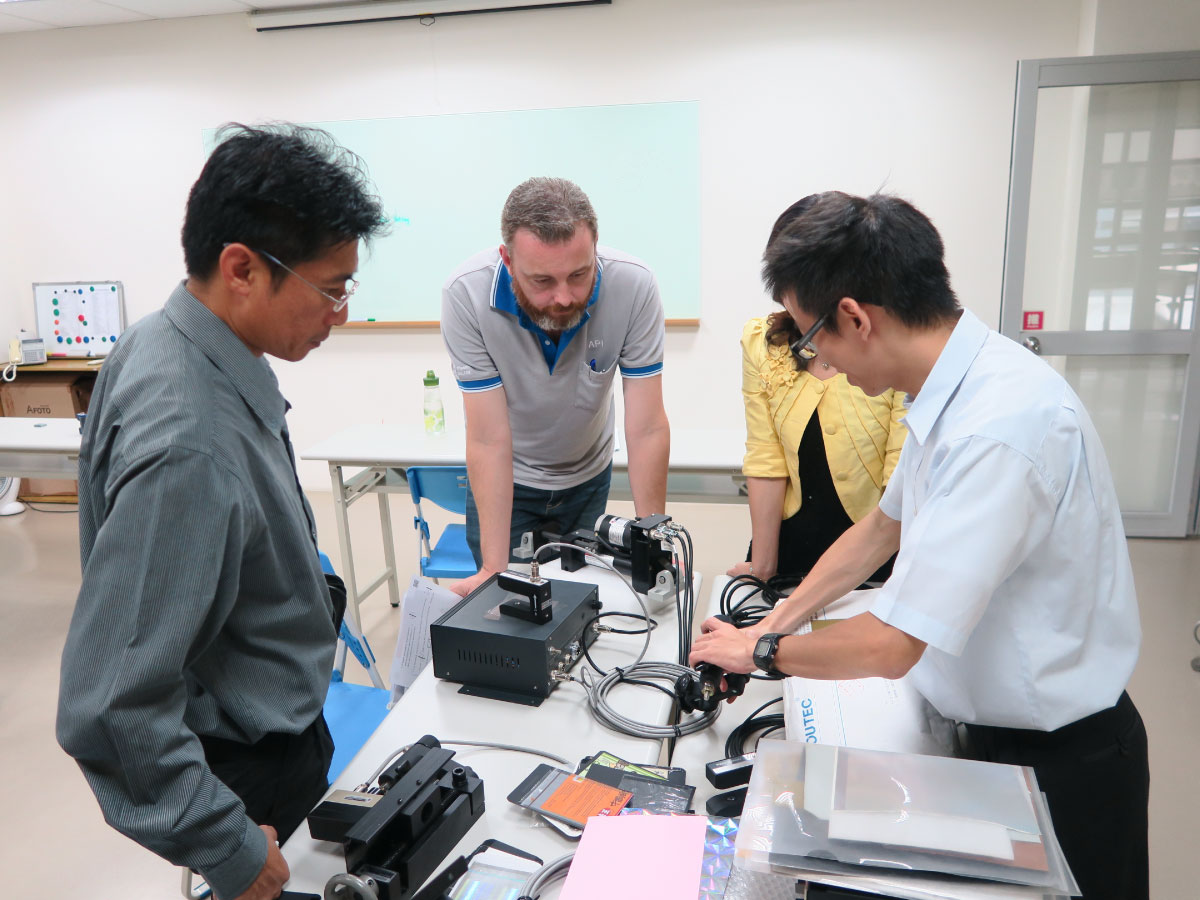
(200, 650)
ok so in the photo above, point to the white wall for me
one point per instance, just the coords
(101, 141)
(1154, 26)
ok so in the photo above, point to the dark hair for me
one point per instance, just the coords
(288, 190)
(879, 250)
(781, 327)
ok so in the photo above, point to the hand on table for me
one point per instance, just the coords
(747, 568)
(464, 587)
(274, 874)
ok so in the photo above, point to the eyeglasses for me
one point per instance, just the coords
(339, 303)
(802, 346)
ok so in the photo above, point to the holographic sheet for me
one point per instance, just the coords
(717, 866)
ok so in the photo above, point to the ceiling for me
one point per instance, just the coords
(38, 15)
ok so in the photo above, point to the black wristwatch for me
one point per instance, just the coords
(764, 653)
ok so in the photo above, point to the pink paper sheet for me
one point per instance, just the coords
(638, 858)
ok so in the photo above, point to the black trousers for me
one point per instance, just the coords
(280, 778)
(1096, 778)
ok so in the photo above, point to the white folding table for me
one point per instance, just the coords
(39, 448)
(561, 725)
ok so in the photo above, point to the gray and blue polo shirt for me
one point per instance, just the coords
(560, 393)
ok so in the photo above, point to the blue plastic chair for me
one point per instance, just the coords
(352, 711)
(445, 486)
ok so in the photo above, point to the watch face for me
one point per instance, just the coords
(764, 651)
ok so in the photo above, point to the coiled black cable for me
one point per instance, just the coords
(652, 624)
(735, 744)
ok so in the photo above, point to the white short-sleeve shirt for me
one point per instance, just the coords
(1013, 566)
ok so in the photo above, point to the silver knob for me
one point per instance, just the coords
(1032, 344)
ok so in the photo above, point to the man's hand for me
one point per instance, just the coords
(464, 587)
(274, 874)
(726, 646)
(742, 568)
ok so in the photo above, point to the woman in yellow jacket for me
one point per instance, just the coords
(819, 451)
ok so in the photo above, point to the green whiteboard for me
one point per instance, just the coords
(444, 179)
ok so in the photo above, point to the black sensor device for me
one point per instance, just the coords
(429, 802)
(495, 653)
(730, 772)
(637, 546)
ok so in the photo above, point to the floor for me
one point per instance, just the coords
(55, 845)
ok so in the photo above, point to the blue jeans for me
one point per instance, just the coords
(535, 509)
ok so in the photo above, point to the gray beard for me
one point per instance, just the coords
(555, 326)
(547, 323)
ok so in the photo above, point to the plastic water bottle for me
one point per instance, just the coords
(435, 413)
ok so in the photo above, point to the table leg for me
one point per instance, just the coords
(342, 520)
(389, 548)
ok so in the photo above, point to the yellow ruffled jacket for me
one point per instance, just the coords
(862, 434)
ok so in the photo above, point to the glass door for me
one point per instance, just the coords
(1100, 263)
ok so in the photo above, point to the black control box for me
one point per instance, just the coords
(507, 657)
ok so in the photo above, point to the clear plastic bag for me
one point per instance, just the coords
(842, 810)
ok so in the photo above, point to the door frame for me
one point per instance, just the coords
(1033, 75)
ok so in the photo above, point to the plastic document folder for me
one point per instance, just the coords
(846, 811)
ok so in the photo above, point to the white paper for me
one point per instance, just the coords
(424, 602)
(945, 834)
(820, 768)
(871, 713)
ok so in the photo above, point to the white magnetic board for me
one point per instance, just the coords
(79, 318)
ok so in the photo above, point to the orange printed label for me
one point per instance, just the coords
(577, 798)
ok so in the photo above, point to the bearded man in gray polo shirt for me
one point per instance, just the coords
(537, 330)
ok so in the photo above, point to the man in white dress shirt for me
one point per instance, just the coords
(1012, 598)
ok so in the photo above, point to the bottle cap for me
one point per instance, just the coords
(431, 380)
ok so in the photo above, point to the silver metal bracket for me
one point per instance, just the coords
(525, 549)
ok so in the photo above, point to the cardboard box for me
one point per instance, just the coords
(52, 396)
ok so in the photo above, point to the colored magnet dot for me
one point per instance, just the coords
(104, 340)
(68, 340)
(85, 321)
(87, 340)
(56, 301)
(60, 340)
(56, 330)
(81, 318)
(92, 288)
(113, 338)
